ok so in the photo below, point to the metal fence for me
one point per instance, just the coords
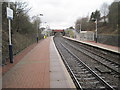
(105, 39)
(109, 40)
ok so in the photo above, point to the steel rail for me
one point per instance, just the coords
(117, 71)
(77, 84)
(100, 56)
(97, 76)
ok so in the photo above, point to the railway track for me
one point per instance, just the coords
(110, 57)
(106, 62)
(83, 76)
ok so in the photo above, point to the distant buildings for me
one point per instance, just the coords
(87, 35)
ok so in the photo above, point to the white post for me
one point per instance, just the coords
(9, 21)
(80, 27)
(9, 32)
(80, 30)
(96, 30)
(10, 43)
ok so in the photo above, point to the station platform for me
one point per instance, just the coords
(99, 45)
(41, 67)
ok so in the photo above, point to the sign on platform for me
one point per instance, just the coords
(9, 13)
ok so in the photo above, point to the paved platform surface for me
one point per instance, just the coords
(32, 71)
(100, 45)
(42, 67)
(59, 77)
(17, 58)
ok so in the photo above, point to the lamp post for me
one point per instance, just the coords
(96, 31)
(48, 30)
(38, 27)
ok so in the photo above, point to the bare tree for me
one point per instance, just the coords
(104, 10)
(82, 23)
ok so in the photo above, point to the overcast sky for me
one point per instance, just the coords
(61, 14)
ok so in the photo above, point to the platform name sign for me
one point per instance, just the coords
(9, 13)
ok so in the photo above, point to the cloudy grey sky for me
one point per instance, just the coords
(61, 14)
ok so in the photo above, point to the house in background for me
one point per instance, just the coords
(104, 19)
